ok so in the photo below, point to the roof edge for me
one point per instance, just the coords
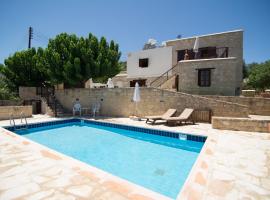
(233, 31)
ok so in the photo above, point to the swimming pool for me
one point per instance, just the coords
(157, 160)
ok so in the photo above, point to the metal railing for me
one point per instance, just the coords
(163, 77)
(11, 119)
(220, 52)
(22, 116)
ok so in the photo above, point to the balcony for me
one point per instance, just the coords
(203, 53)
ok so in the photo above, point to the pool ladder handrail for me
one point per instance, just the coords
(22, 115)
(11, 119)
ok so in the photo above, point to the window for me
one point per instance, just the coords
(207, 52)
(143, 62)
(204, 77)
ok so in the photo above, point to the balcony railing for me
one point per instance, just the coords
(205, 53)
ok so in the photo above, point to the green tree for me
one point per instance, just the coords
(5, 92)
(259, 76)
(245, 70)
(25, 68)
(73, 60)
(67, 59)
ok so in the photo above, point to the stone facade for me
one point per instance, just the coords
(224, 80)
(118, 102)
(11, 102)
(28, 93)
(241, 124)
(227, 73)
(256, 105)
(231, 39)
(248, 93)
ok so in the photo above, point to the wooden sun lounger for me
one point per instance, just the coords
(185, 116)
(167, 114)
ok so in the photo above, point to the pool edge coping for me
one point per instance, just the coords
(181, 194)
(105, 176)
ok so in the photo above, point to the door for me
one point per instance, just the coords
(141, 82)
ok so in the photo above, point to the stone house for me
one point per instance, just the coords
(213, 68)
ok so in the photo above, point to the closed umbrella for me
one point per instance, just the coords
(196, 47)
(136, 95)
(110, 83)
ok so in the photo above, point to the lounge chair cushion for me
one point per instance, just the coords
(185, 115)
(168, 113)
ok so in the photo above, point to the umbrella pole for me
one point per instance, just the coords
(136, 109)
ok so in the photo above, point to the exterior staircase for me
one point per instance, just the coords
(53, 106)
(168, 80)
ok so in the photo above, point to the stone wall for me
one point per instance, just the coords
(5, 111)
(231, 39)
(241, 124)
(228, 69)
(11, 102)
(28, 93)
(224, 80)
(256, 105)
(120, 80)
(118, 102)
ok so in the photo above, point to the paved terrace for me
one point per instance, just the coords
(231, 165)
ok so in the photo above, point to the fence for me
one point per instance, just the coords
(202, 116)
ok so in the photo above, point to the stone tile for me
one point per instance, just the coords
(22, 190)
(59, 182)
(50, 155)
(14, 181)
(265, 182)
(120, 188)
(253, 188)
(13, 171)
(220, 188)
(139, 197)
(237, 165)
(111, 195)
(80, 190)
(223, 176)
(200, 179)
(58, 196)
(40, 195)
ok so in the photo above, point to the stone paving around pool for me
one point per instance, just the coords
(231, 165)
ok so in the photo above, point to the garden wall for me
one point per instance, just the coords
(5, 111)
(118, 102)
(241, 124)
(11, 102)
(256, 105)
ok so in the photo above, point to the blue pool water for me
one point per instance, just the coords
(161, 164)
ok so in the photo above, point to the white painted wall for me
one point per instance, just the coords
(160, 60)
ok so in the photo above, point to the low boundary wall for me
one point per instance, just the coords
(241, 124)
(256, 105)
(11, 102)
(118, 102)
(5, 111)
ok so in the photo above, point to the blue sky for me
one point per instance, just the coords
(132, 23)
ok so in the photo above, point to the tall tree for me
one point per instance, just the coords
(25, 68)
(74, 60)
(67, 59)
